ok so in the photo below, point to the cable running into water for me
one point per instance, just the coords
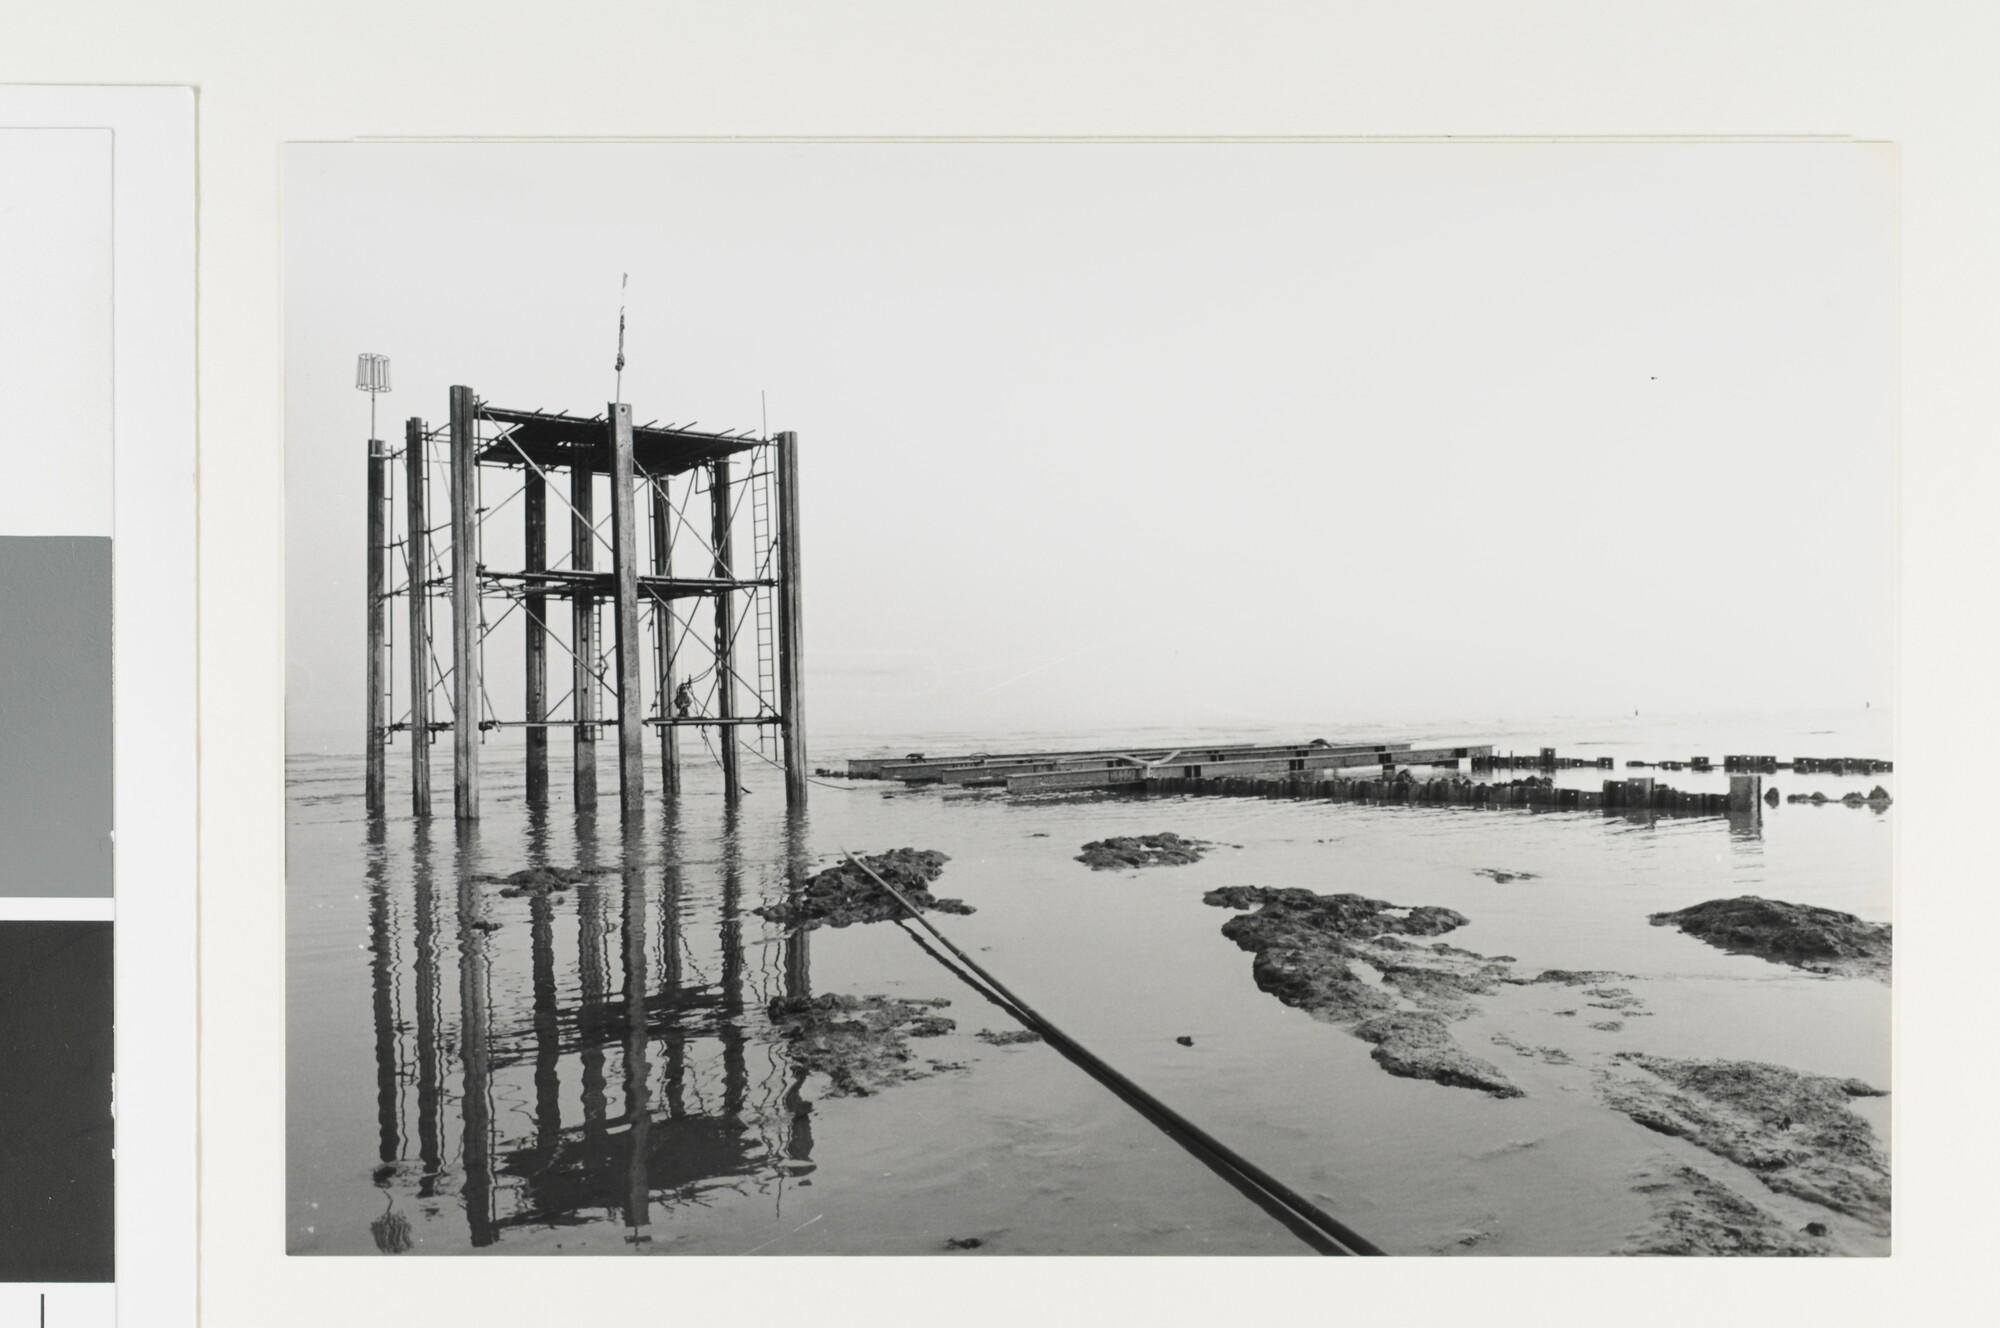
(1305, 1219)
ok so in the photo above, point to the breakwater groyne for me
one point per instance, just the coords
(1744, 796)
(1311, 770)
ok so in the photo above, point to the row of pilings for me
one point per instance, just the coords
(1616, 795)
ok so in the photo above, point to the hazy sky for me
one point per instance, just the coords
(1174, 434)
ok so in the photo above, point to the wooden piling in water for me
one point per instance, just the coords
(791, 623)
(464, 608)
(625, 615)
(1746, 792)
(724, 602)
(416, 551)
(535, 605)
(583, 636)
(663, 645)
(377, 776)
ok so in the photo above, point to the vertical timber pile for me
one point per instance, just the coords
(416, 550)
(464, 609)
(1746, 793)
(535, 520)
(378, 628)
(625, 616)
(663, 645)
(583, 633)
(725, 604)
(791, 627)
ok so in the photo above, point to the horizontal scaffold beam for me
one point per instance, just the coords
(677, 722)
(712, 721)
(1062, 780)
(561, 583)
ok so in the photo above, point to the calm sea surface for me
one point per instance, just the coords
(463, 1068)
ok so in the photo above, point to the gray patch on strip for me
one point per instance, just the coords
(55, 716)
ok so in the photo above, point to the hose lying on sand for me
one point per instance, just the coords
(1305, 1219)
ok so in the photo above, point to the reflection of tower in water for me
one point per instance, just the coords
(430, 1019)
(706, 1099)
(475, 1014)
(391, 1230)
(384, 941)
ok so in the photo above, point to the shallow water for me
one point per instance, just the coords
(462, 1073)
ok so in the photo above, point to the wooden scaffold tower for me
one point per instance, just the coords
(676, 656)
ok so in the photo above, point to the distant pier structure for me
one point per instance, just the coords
(671, 624)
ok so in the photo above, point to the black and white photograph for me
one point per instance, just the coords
(1199, 698)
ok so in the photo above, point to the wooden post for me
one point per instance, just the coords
(791, 624)
(583, 633)
(625, 616)
(535, 502)
(725, 602)
(416, 549)
(663, 646)
(377, 780)
(464, 610)
(1746, 792)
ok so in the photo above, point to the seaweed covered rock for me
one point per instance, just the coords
(1877, 798)
(1570, 977)
(1694, 1214)
(1293, 911)
(1162, 850)
(1795, 1131)
(1344, 958)
(1013, 1037)
(1821, 939)
(861, 1043)
(844, 894)
(1418, 1046)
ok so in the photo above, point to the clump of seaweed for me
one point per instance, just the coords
(1822, 940)
(844, 894)
(861, 1043)
(1166, 849)
(1794, 1130)
(1307, 947)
